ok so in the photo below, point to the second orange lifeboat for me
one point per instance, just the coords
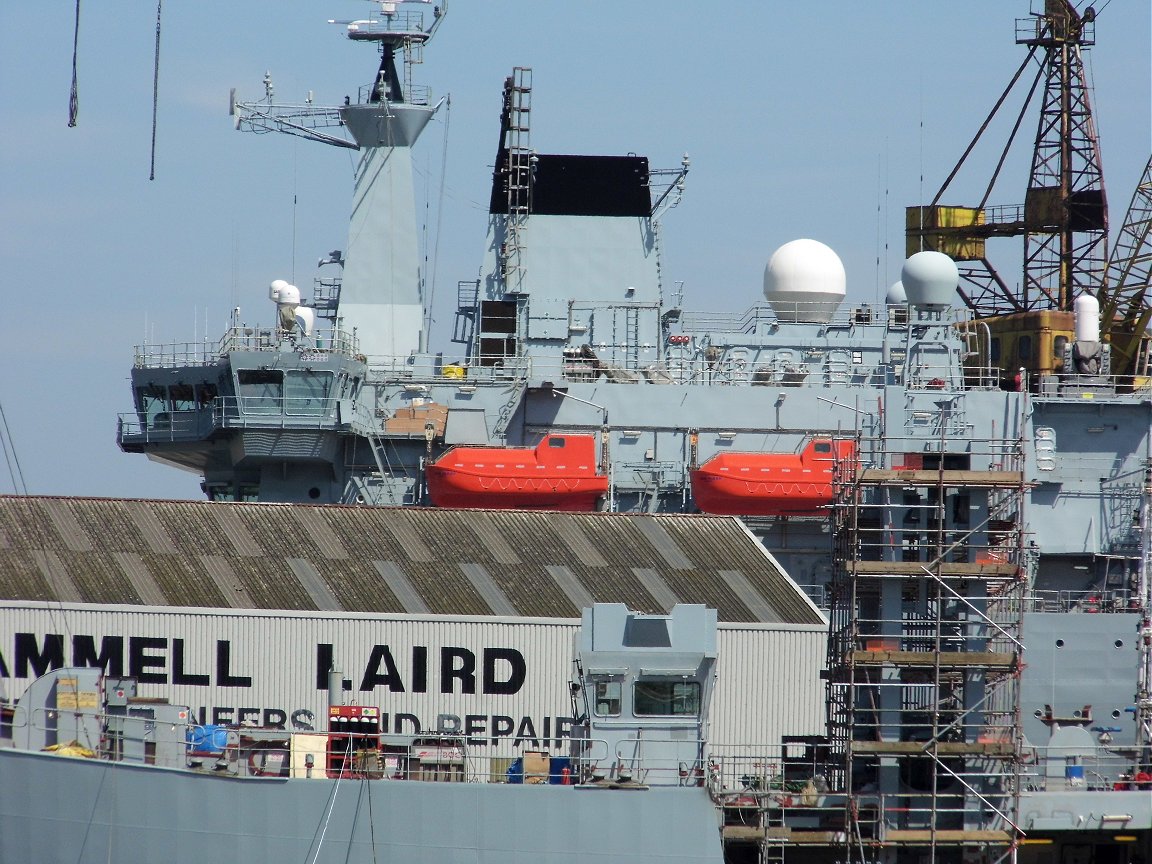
(559, 473)
(771, 484)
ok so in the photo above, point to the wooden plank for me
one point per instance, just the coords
(960, 570)
(892, 837)
(742, 833)
(944, 748)
(989, 659)
(951, 837)
(902, 477)
(779, 834)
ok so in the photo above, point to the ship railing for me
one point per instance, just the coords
(292, 411)
(648, 759)
(765, 768)
(432, 369)
(325, 341)
(762, 317)
(416, 94)
(166, 426)
(935, 376)
(1066, 769)
(1113, 600)
(241, 338)
(175, 355)
(421, 757)
(228, 411)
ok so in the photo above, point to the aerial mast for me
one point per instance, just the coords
(380, 294)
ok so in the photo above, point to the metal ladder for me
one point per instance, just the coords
(519, 180)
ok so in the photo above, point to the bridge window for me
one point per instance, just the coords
(206, 394)
(666, 699)
(152, 404)
(555, 442)
(607, 699)
(183, 397)
(307, 392)
(261, 390)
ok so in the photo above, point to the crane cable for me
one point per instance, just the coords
(74, 96)
(155, 87)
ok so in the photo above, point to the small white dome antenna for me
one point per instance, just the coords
(930, 280)
(286, 296)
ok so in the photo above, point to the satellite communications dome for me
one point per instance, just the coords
(804, 281)
(930, 280)
(281, 291)
(896, 295)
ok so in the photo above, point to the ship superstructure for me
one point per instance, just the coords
(964, 485)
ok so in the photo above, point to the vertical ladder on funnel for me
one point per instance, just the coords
(520, 168)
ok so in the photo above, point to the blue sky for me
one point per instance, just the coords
(821, 119)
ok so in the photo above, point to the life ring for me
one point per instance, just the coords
(258, 763)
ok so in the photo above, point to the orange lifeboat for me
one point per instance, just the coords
(770, 484)
(559, 473)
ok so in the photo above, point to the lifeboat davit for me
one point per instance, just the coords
(771, 484)
(559, 473)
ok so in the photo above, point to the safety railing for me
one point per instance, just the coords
(241, 338)
(1063, 769)
(225, 411)
(259, 752)
(764, 769)
(1117, 600)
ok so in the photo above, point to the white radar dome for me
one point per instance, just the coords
(804, 281)
(281, 291)
(930, 280)
(896, 295)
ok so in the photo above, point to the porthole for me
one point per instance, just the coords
(1059, 643)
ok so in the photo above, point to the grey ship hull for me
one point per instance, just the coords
(55, 808)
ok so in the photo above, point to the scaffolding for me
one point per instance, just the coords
(929, 579)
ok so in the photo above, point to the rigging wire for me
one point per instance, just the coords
(155, 87)
(74, 96)
(10, 446)
(439, 221)
(371, 822)
(322, 827)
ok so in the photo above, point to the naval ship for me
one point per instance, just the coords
(959, 476)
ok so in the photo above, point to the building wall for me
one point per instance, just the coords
(498, 681)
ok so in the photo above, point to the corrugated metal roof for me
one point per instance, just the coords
(385, 560)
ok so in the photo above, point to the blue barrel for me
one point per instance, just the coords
(207, 739)
(515, 773)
